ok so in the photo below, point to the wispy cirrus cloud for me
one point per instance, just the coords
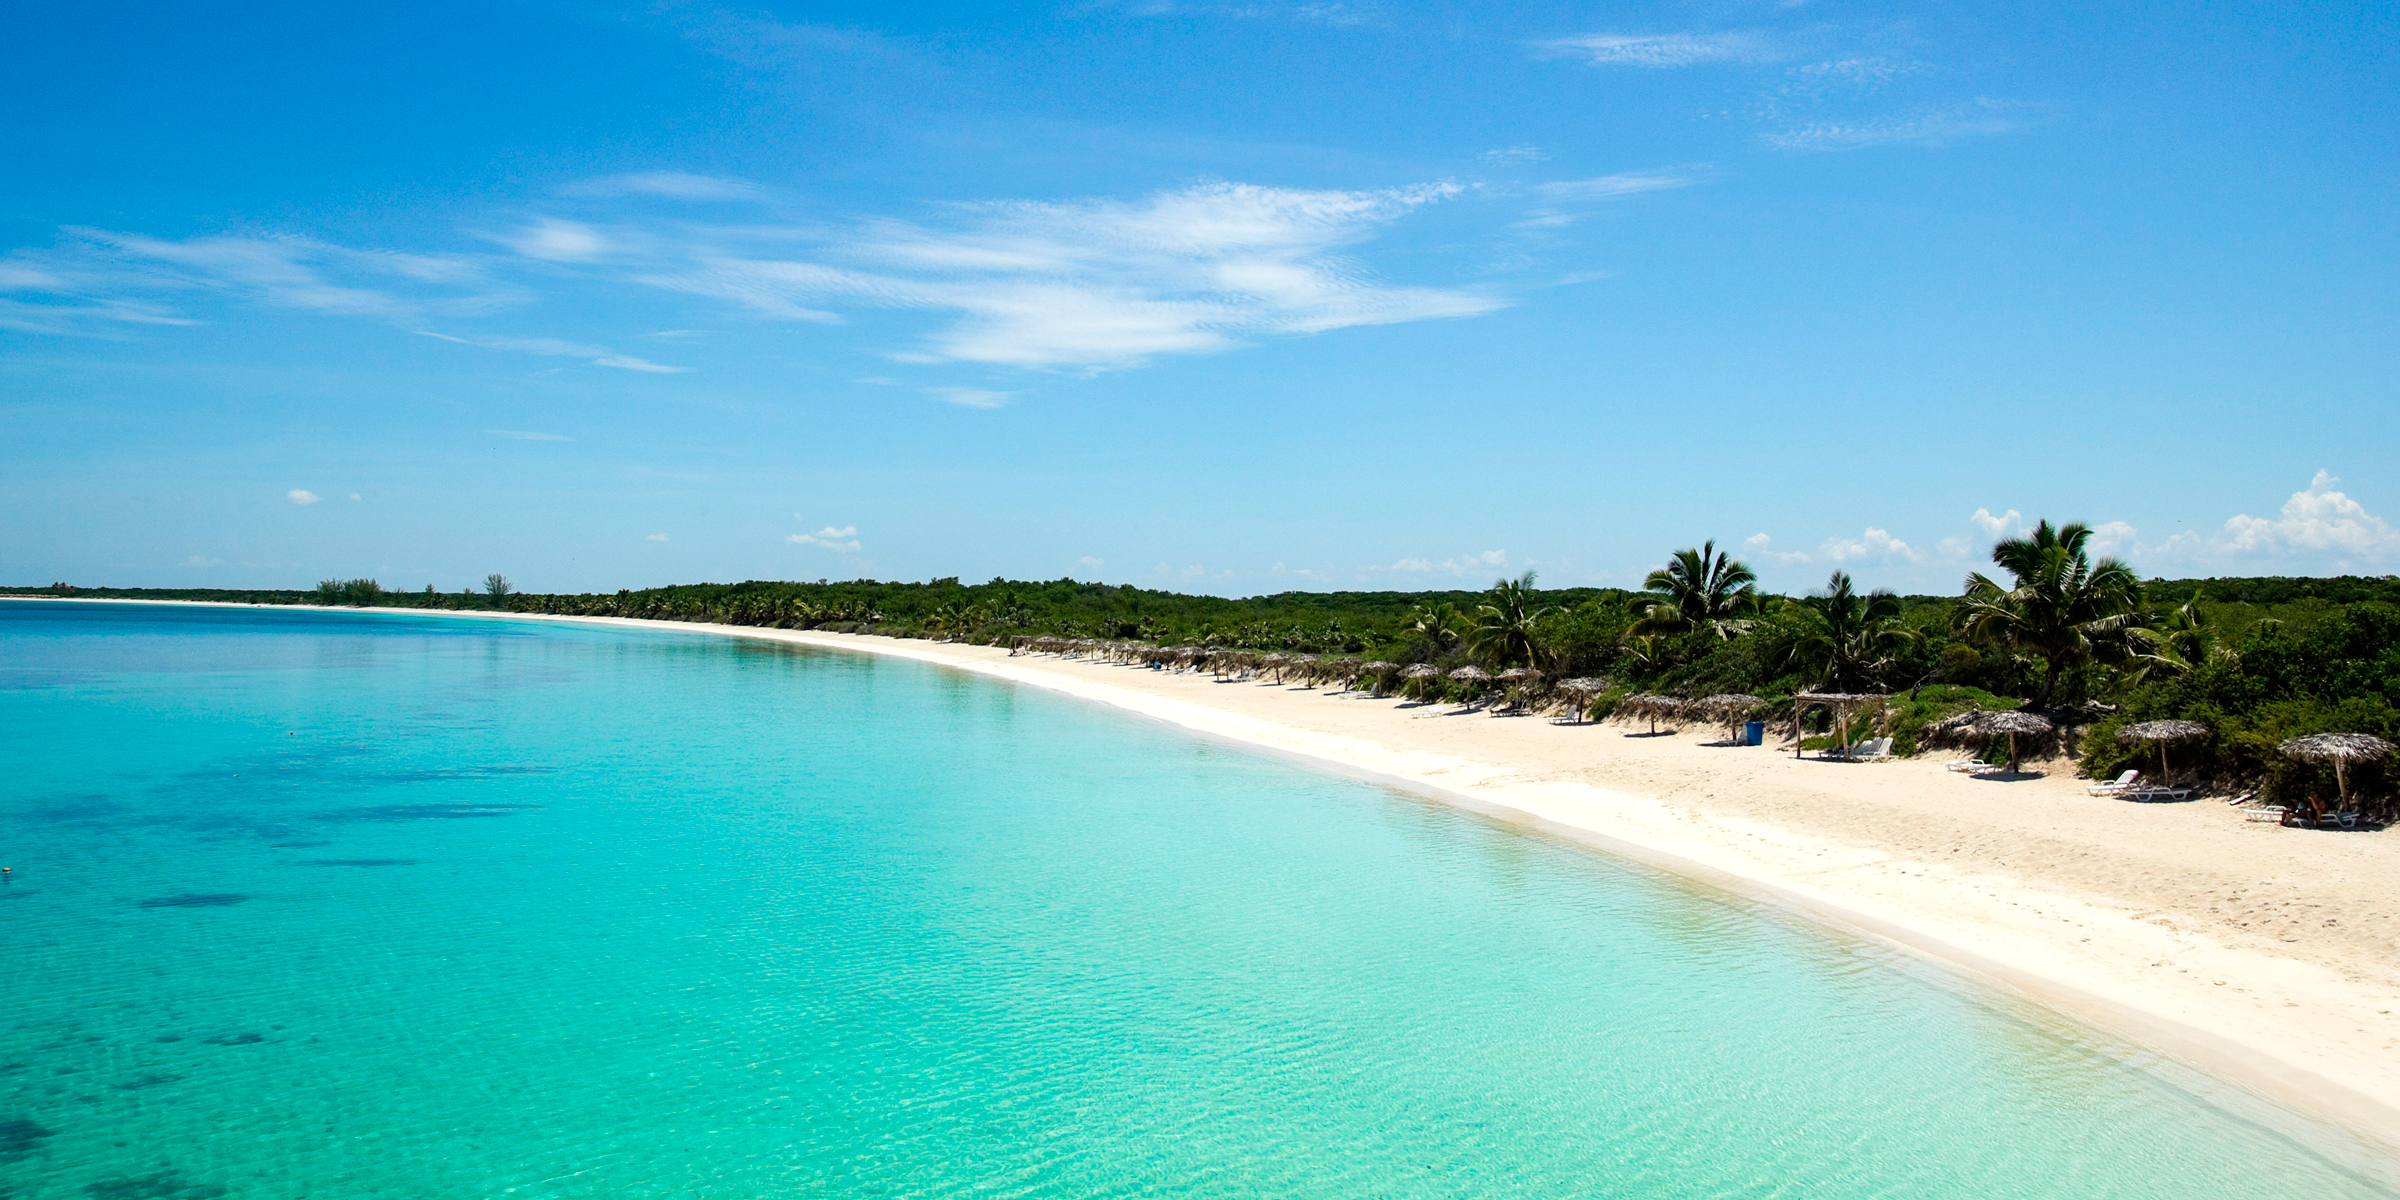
(1094, 284)
(674, 185)
(598, 356)
(1660, 50)
(1981, 117)
(1564, 201)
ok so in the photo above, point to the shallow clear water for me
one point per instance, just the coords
(323, 904)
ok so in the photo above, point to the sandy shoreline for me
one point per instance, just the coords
(2263, 956)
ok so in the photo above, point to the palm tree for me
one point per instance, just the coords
(1434, 624)
(1503, 629)
(2175, 642)
(2063, 607)
(1848, 637)
(1701, 589)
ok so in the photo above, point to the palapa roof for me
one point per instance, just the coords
(1378, 665)
(1731, 700)
(1651, 702)
(1422, 671)
(2347, 747)
(1841, 698)
(2161, 731)
(2014, 721)
(1520, 673)
(1470, 672)
(1583, 684)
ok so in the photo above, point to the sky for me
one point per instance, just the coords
(1237, 298)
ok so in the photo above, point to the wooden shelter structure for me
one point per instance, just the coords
(2162, 732)
(2342, 749)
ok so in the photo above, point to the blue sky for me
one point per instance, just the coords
(1236, 298)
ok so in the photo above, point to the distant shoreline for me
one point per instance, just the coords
(2089, 907)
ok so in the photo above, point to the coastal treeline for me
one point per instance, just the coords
(2050, 628)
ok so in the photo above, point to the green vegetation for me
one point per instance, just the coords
(2255, 661)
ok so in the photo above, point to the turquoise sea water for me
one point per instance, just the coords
(338, 905)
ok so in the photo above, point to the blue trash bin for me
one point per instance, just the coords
(1758, 733)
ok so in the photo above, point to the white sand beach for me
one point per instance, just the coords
(2264, 956)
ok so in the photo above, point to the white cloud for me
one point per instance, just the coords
(1874, 543)
(1516, 154)
(1981, 117)
(1098, 283)
(202, 560)
(1757, 541)
(1089, 561)
(656, 537)
(91, 279)
(598, 356)
(2316, 519)
(970, 397)
(1660, 50)
(1951, 547)
(1461, 565)
(354, 496)
(2007, 524)
(841, 541)
(558, 241)
(2112, 539)
(527, 435)
(674, 185)
(1562, 201)
(302, 496)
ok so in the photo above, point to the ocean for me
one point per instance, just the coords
(310, 903)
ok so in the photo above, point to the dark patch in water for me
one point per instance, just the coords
(168, 1037)
(12, 1068)
(360, 862)
(236, 1039)
(17, 893)
(427, 812)
(152, 1079)
(196, 900)
(300, 845)
(20, 1137)
(166, 1185)
(90, 808)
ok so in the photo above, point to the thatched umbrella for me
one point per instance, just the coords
(2161, 732)
(1421, 671)
(1580, 691)
(2342, 748)
(2013, 723)
(1652, 706)
(1376, 671)
(1471, 675)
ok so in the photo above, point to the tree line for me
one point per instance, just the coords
(2051, 628)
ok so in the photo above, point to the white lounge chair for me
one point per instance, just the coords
(2117, 786)
(1872, 750)
(2271, 812)
(1969, 766)
(2160, 792)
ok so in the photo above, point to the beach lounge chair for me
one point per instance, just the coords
(2244, 798)
(2271, 812)
(2115, 786)
(2155, 793)
(1872, 750)
(1968, 766)
(2348, 820)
